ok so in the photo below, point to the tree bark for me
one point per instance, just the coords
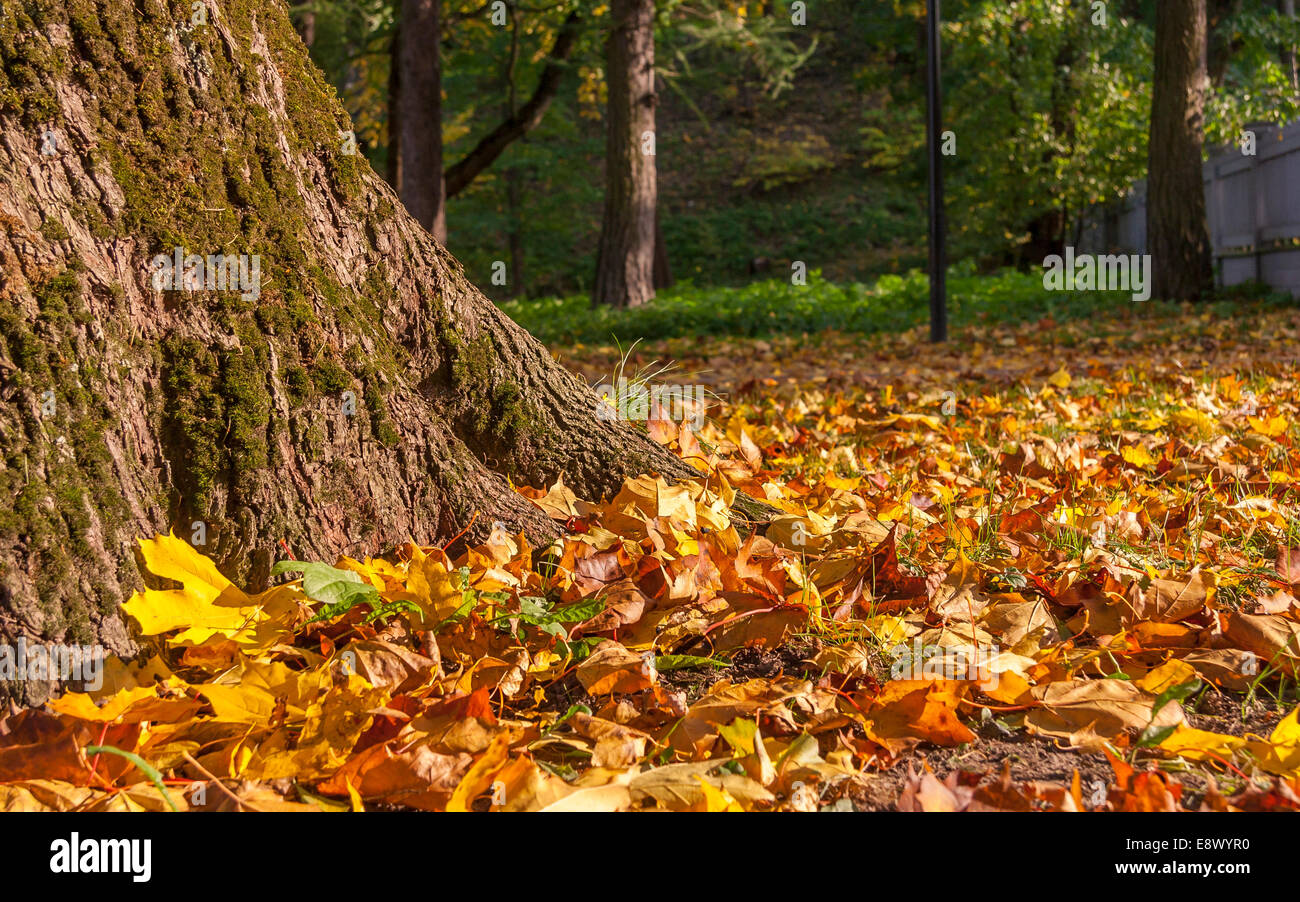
(625, 255)
(1177, 236)
(359, 394)
(419, 117)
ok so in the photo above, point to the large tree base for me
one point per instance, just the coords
(362, 395)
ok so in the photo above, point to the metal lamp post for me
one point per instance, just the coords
(938, 225)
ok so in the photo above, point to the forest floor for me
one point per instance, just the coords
(1051, 566)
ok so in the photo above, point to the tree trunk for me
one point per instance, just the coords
(1288, 53)
(1177, 238)
(307, 28)
(393, 152)
(419, 117)
(663, 273)
(514, 193)
(353, 392)
(625, 256)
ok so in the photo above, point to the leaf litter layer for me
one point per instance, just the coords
(1052, 567)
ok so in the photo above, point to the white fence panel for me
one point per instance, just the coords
(1253, 208)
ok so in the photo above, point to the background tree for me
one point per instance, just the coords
(1048, 114)
(1177, 237)
(420, 182)
(800, 142)
(519, 121)
(1251, 78)
(625, 257)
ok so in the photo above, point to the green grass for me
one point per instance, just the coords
(775, 307)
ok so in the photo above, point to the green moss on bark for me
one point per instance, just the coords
(57, 468)
(217, 414)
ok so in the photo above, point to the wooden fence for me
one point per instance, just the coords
(1253, 206)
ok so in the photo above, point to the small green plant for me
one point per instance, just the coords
(682, 662)
(1152, 735)
(340, 591)
(143, 766)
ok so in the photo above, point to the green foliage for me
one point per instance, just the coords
(763, 308)
(1050, 115)
(807, 143)
(771, 45)
(664, 663)
(340, 591)
(787, 160)
(891, 304)
(1254, 87)
(351, 45)
(892, 137)
(1051, 108)
(538, 612)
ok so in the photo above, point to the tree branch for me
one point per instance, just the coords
(528, 117)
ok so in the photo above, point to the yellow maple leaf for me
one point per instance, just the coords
(887, 629)
(1152, 421)
(1201, 745)
(1137, 456)
(1171, 673)
(207, 604)
(1191, 418)
(1279, 754)
(252, 693)
(478, 779)
(367, 571)
(129, 706)
(433, 588)
(717, 799)
(1272, 427)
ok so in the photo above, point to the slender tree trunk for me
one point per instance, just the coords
(515, 235)
(419, 117)
(391, 167)
(348, 392)
(1177, 237)
(663, 273)
(1289, 54)
(307, 28)
(625, 256)
(1221, 43)
(514, 201)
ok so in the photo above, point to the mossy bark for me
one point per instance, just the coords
(367, 394)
